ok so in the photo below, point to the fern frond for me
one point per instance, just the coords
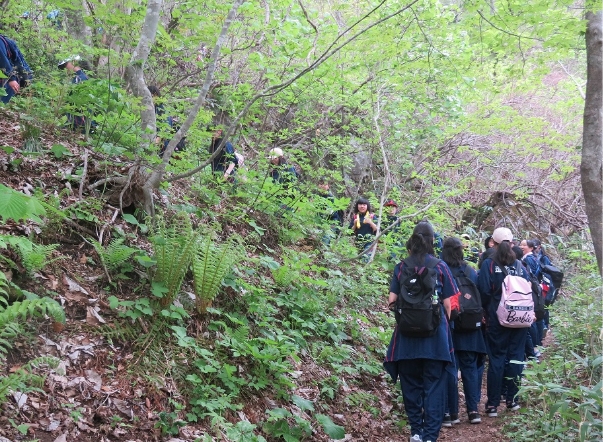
(210, 265)
(36, 258)
(24, 379)
(115, 254)
(173, 248)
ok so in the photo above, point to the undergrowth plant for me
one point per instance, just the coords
(115, 255)
(211, 263)
(563, 393)
(34, 257)
(174, 247)
(24, 379)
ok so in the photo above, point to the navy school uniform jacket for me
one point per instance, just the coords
(532, 262)
(468, 340)
(489, 283)
(365, 232)
(12, 62)
(438, 347)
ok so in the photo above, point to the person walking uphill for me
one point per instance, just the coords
(503, 343)
(14, 67)
(421, 363)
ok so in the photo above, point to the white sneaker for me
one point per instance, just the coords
(416, 438)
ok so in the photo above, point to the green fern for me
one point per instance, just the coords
(24, 379)
(28, 308)
(115, 254)
(37, 257)
(211, 264)
(174, 248)
(283, 276)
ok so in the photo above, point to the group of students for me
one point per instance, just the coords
(427, 363)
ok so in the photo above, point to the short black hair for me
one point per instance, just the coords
(154, 90)
(452, 252)
(362, 200)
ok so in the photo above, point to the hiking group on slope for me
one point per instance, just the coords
(450, 318)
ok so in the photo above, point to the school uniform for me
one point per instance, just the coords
(365, 233)
(13, 66)
(422, 364)
(503, 343)
(470, 352)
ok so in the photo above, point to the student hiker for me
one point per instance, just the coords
(503, 343)
(421, 363)
(469, 344)
(75, 121)
(225, 163)
(168, 123)
(284, 175)
(364, 226)
(488, 251)
(14, 67)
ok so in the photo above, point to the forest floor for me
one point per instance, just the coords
(94, 397)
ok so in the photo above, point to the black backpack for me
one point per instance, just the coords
(553, 277)
(471, 312)
(418, 311)
(539, 302)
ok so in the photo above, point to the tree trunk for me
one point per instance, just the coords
(591, 169)
(76, 27)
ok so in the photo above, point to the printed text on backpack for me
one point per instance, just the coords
(516, 306)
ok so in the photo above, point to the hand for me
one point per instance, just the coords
(14, 86)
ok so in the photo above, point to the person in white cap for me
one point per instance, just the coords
(504, 344)
(282, 172)
(68, 64)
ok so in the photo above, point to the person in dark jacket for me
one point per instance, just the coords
(69, 65)
(503, 343)
(282, 172)
(364, 225)
(14, 67)
(226, 161)
(421, 363)
(533, 266)
(487, 253)
(469, 346)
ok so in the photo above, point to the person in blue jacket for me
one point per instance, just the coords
(76, 122)
(530, 260)
(469, 346)
(503, 343)
(14, 67)
(421, 363)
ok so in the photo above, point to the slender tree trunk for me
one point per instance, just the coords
(591, 169)
(76, 27)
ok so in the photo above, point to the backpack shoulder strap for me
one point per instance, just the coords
(502, 268)
(518, 267)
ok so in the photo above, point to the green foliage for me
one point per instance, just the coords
(34, 257)
(174, 248)
(210, 265)
(24, 379)
(115, 254)
(14, 205)
(563, 393)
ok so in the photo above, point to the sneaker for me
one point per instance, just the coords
(416, 438)
(513, 406)
(474, 417)
(491, 411)
(447, 422)
(454, 419)
(537, 354)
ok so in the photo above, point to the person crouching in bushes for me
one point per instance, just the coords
(364, 226)
(503, 343)
(422, 363)
(469, 345)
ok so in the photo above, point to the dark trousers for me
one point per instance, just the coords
(471, 365)
(504, 344)
(424, 383)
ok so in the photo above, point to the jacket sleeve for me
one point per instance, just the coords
(5, 64)
(484, 282)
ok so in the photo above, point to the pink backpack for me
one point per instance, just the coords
(516, 306)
